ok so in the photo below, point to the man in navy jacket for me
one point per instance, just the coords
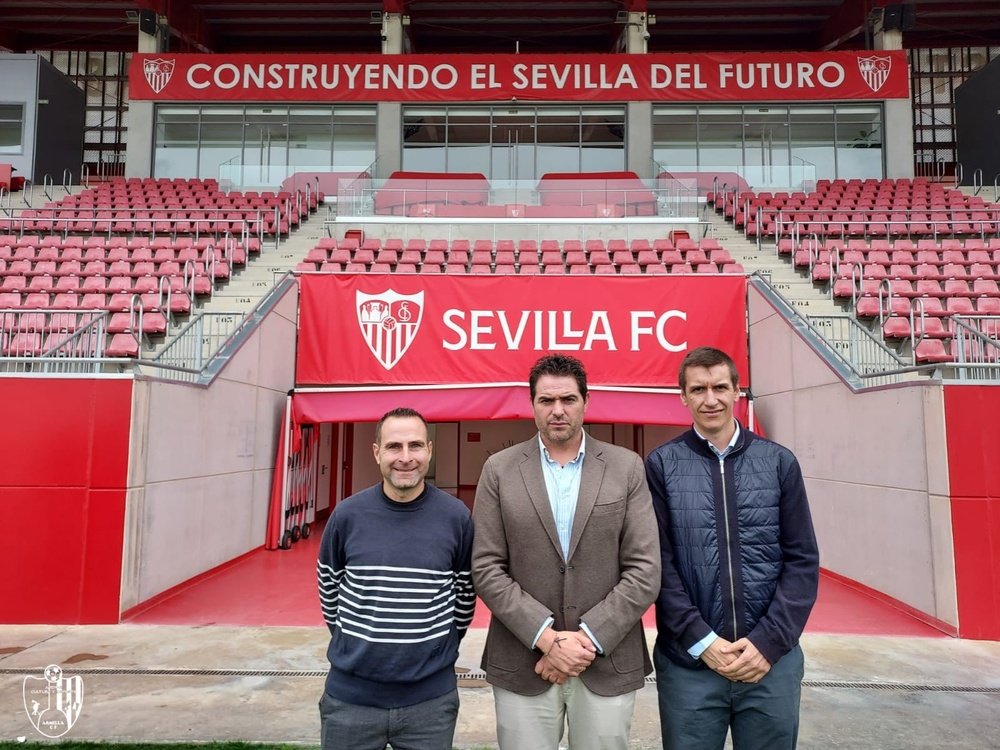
(740, 573)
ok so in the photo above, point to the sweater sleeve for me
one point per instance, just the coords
(465, 594)
(779, 629)
(330, 572)
(675, 611)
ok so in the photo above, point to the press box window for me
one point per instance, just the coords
(11, 128)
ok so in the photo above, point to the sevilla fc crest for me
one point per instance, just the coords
(158, 72)
(875, 71)
(53, 702)
(389, 322)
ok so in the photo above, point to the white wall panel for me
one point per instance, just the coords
(205, 457)
(874, 463)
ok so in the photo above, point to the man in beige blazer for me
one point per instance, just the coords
(566, 556)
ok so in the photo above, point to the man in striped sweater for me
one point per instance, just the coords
(396, 593)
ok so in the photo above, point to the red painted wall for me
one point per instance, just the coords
(972, 416)
(63, 476)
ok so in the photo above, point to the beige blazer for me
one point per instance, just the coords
(611, 577)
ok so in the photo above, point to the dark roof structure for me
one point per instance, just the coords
(443, 26)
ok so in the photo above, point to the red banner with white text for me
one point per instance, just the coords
(374, 329)
(717, 76)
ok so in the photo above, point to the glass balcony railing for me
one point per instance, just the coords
(472, 196)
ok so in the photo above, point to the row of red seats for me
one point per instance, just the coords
(33, 247)
(151, 188)
(233, 252)
(803, 217)
(889, 185)
(823, 271)
(101, 268)
(88, 204)
(145, 222)
(37, 317)
(208, 182)
(848, 287)
(526, 245)
(876, 226)
(522, 269)
(936, 351)
(897, 257)
(113, 283)
(522, 257)
(943, 197)
(101, 299)
(63, 343)
(948, 243)
(872, 306)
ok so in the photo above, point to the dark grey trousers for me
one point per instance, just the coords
(423, 726)
(698, 707)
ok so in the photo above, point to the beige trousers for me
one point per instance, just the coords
(537, 722)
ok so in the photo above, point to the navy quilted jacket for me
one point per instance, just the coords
(737, 542)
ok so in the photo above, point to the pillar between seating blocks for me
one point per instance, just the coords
(897, 129)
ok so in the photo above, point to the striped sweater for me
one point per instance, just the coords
(396, 593)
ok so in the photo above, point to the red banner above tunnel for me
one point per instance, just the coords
(374, 329)
(722, 76)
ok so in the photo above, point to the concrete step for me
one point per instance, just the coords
(793, 285)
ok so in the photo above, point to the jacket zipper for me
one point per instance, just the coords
(729, 546)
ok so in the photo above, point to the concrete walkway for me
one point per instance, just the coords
(149, 683)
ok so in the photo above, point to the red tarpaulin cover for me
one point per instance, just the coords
(393, 330)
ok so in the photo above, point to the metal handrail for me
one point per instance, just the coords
(118, 220)
(977, 351)
(855, 354)
(47, 184)
(78, 346)
(200, 349)
(937, 227)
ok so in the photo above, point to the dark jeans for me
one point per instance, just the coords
(423, 726)
(698, 706)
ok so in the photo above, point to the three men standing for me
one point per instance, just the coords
(568, 552)
(740, 573)
(566, 558)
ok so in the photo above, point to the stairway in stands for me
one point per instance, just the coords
(246, 287)
(787, 281)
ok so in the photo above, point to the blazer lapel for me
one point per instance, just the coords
(590, 485)
(531, 472)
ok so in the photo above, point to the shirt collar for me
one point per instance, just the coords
(732, 442)
(579, 456)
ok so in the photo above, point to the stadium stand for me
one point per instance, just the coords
(879, 246)
(144, 251)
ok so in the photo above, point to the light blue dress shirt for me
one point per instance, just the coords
(699, 648)
(562, 483)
